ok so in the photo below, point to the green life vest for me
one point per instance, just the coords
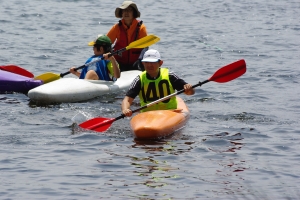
(152, 90)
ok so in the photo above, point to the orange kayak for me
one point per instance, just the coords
(160, 123)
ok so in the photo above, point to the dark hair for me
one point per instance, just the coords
(106, 47)
(135, 14)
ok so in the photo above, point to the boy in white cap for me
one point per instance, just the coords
(153, 84)
(106, 68)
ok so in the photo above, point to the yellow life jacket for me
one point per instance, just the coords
(152, 90)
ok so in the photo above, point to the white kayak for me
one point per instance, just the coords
(67, 90)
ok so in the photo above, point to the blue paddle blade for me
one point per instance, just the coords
(98, 124)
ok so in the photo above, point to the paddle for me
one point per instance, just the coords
(17, 70)
(141, 43)
(224, 74)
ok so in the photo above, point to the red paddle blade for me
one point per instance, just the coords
(229, 72)
(98, 124)
(17, 70)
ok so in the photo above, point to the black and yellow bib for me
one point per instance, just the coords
(152, 90)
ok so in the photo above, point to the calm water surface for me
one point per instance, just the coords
(241, 142)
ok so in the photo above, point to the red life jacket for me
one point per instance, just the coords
(127, 57)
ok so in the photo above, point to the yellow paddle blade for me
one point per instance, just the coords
(47, 77)
(143, 42)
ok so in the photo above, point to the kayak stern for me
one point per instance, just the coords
(159, 123)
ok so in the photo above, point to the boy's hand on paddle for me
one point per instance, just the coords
(107, 56)
(72, 70)
(126, 103)
(127, 112)
(188, 89)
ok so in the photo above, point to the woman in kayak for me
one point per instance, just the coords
(106, 68)
(153, 84)
(128, 29)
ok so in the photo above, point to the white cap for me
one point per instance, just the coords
(151, 55)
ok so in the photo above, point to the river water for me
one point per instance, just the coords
(241, 142)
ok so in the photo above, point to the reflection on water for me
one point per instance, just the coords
(150, 160)
(9, 100)
(157, 169)
(230, 166)
(230, 143)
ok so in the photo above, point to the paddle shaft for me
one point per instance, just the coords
(87, 64)
(109, 121)
(224, 74)
(166, 97)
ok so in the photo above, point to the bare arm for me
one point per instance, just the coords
(116, 69)
(76, 73)
(117, 72)
(126, 103)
